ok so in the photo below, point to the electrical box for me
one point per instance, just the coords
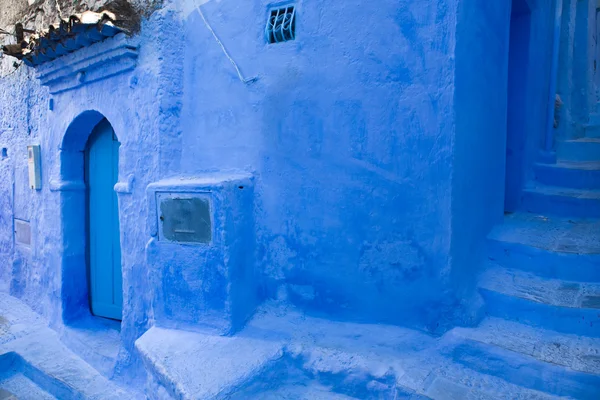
(202, 252)
(34, 163)
(184, 218)
(22, 232)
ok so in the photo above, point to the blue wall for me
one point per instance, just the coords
(481, 108)
(518, 103)
(584, 97)
(50, 275)
(482, 105)
(575, 74)
(375, 143)
(349, 130)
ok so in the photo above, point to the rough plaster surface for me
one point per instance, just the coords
(355, 179)
(377, 117)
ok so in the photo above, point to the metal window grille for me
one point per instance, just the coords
(281, 25)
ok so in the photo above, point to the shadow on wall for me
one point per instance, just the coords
(518, 110)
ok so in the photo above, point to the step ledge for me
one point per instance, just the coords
(559, 235)
(579, 353)
(553, 292)
(204, 366)
(583, 140)
(525, 371)
(572, 165)
(588, 194)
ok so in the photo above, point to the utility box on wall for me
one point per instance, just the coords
(184, 218)
(34, 164)
(22, 232)
(201, 255)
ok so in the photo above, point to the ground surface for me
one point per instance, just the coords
(283, 354)
(539, 340)
(36, 365)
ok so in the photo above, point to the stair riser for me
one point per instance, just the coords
(568, 177)
(526, 371)
(103, 364)
(562, 206)
(593, 131)
(578, 151)
(50, 384)
(544, 263)
(595, 117)
(579, 321)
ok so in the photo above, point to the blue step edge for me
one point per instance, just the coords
(526, 371)
(579, 321)
(547, 157)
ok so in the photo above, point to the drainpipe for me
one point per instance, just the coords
(553, 78)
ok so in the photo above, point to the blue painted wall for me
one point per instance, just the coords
(375, 144)
(576, 66)
(349, 132)
(482, 178)
(50, 275)
(480, 141)
(517, 103)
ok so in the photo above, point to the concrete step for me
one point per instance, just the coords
(363, 371)
(96, 341)
(444, 388)
(595, 117)
(461, 379)
(34, 352)
(14, 385)
(583, 149)
(550, 247)
(562, 306)
(578, 353)
(526, 372)
(42, 359)
(310, 391)
(193, 365)
(592, 130)
(559, 201)
(576, 175)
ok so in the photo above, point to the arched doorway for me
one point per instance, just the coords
(103, 244)
(88, 171)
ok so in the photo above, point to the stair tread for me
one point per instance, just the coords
(584, 140)
(217, 370)
(566, 192)
(524, 371)
(563, 235)
(553, 292)
(457, 381)
(576, 165)
(579, 353)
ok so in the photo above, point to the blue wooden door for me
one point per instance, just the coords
(102, 166)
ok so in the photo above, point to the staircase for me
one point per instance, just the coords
(541, 284)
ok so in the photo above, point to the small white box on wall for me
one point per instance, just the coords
(34, 163)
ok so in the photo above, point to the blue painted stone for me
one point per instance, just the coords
(356, 180)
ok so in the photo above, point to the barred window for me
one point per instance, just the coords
(281, 25)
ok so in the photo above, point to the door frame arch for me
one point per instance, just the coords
(75, 292)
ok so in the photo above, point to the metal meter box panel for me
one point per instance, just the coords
(22, 232)
(34, 164)
(185, 217)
